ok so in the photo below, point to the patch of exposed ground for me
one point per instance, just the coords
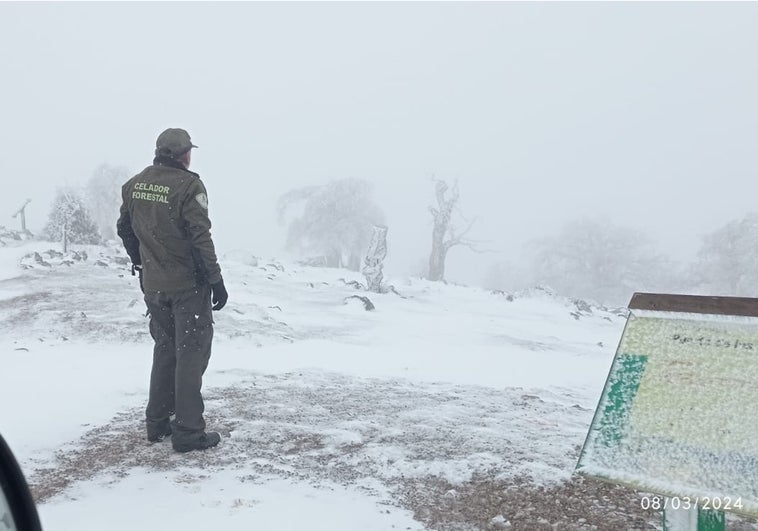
(486, 502)
(578, 504)
(459, 457)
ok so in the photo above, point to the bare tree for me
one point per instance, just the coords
(21, 214)
(445, 235)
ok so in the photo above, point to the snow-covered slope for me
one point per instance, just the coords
(447, 407)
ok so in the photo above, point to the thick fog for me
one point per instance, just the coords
(641, 115)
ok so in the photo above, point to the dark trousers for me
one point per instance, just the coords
(181, 324)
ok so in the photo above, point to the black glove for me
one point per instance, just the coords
(138, 269)
(219, 295)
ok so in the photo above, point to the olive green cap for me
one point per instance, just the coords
(173, 143)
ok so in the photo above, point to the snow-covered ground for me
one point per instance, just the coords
(447, 407)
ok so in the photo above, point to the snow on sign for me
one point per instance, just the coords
(678, 415)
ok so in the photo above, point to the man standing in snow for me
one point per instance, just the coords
(165, 228)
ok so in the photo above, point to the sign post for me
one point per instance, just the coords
(693, 519)
(677, 416)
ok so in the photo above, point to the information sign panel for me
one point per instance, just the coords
(679, 412)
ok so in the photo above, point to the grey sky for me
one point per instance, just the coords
(642, 112)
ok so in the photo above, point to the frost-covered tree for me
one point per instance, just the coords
(103, 197)
(69, 220)
(373, 261)
(336, 221)
(445, 234)
(595, 259)
(727, 263)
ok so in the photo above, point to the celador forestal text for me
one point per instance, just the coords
(150, 192)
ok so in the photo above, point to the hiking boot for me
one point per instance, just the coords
(159, 435)
(202, 442)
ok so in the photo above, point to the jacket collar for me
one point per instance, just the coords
(172, 163)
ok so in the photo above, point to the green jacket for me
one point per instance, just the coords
(165, 228)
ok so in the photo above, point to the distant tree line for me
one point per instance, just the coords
(336, 225)
(599, 260)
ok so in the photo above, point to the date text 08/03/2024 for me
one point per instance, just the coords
(675, 502)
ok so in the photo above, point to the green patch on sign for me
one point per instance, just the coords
(708, 520)
(622, 388)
